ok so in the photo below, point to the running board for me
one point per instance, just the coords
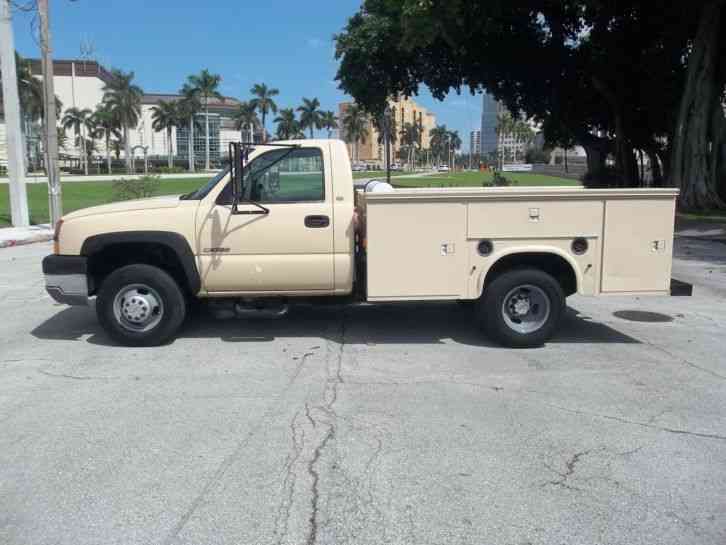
(680, 288)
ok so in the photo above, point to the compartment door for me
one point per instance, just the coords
(637, 245)
(416, 250)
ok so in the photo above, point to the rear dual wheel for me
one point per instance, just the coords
(522, 308)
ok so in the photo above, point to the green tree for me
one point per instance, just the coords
(245, 119)
(288, 127)
(206, 86)
(189, 106)
(165, 116)
(355, 127)
(264, 103)
(454, 146)
(123, 97)
(329, 122)
(411, 139)
(311, 116)
(78, 120)
(439, 141)
(105, 124)
(611, 74)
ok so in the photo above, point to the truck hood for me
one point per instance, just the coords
(153, 203)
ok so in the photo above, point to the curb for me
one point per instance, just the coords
(43, 237)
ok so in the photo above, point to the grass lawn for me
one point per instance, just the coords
(475, 179)
(716, 216)
(78, 195)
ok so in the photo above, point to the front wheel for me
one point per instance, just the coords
(522, 308)
(140, 305)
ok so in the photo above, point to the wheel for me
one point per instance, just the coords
(522, 308)
(140, 305)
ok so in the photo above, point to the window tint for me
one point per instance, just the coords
(286, 176)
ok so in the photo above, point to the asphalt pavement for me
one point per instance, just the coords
(397, 424)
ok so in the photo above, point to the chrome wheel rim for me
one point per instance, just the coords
(526, 308)
(138, 307)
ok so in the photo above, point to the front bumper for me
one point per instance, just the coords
(66, 278)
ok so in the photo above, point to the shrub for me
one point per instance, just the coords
(170, 170)
(498, 180)
(139, 188)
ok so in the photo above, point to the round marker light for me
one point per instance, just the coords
(579, 246)
(485, 247)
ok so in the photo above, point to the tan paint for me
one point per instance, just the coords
(166, 213)
(406, 230)
(421, 243)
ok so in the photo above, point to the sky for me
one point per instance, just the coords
(287, 44)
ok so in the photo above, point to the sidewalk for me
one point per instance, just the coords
(16, 236)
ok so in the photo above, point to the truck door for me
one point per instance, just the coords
(290, 248)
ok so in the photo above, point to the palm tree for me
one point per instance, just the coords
(189, 105)
(329, 122)
(123, 97)
(165, 116)
(355, 127)
(287, 126)
(78, 120)
(105, 123)
(411, 138)
(206, 85)
(439, 138)
(245, 118)
(311, 116)
(454, 146)
(505, 126)
(264, 103)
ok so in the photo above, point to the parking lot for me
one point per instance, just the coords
(395, 424)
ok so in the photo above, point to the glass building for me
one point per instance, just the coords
(182, 139)
(489, 126)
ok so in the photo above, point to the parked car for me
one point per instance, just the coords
(443, 168)
(289, 226)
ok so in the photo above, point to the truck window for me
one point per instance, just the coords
(297, 177)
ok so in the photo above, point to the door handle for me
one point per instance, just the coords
(317, 221)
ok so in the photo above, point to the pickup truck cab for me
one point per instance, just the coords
(283, 222)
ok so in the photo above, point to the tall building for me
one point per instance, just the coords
(475, 142)
(489, 113)
(404, 110)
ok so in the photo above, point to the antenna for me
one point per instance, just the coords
(88, 50)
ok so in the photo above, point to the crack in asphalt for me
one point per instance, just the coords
(312, 428)
(570, 465)
(641, 424)
(686, 362)
(73, 377)
(224, 466)
(330, 396)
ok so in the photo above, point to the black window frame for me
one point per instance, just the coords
(225, 196)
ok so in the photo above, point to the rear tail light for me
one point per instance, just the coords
(56, 237)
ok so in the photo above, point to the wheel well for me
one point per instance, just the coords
(556, 266)
(114, 256)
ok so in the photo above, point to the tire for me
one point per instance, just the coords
(522, 308)
(140, 305)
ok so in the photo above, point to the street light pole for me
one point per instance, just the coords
(11, 104)
(55, 205)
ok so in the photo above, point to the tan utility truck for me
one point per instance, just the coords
(283, 223)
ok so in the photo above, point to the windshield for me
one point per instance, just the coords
(202, 192)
